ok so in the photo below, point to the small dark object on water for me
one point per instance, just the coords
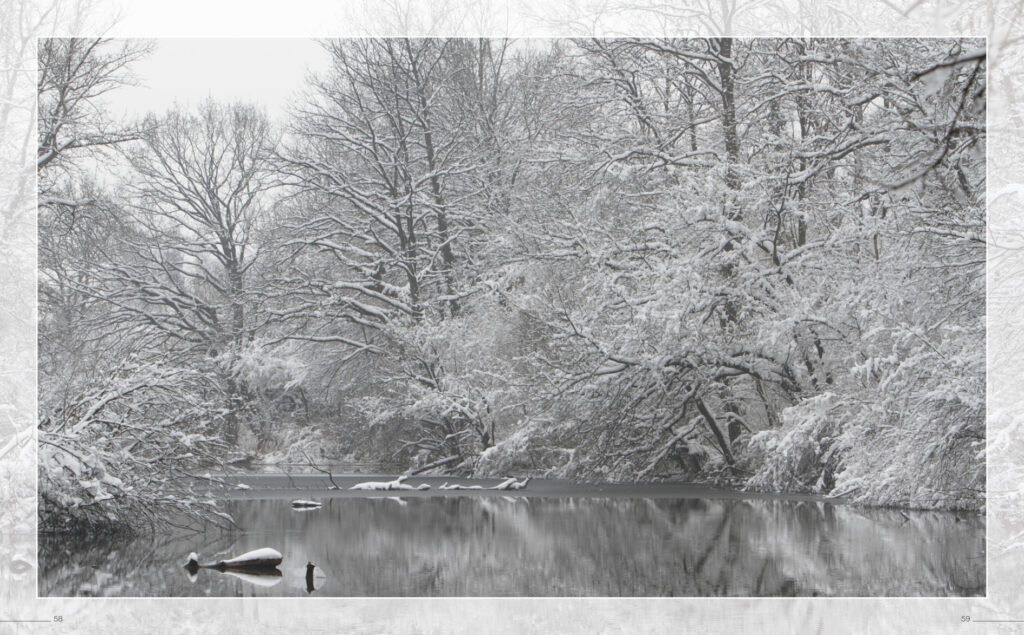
(309, 577)
(193, 563)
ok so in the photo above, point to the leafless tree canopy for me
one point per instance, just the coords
(755, 261)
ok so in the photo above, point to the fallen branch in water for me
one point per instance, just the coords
(397, 484)
(310, 463)
(456, 486)
(511, 484)
(507, 484)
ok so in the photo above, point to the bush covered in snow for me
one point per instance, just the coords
(118, 450)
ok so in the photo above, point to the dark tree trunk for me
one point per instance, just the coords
(726, 74)
(723, 444)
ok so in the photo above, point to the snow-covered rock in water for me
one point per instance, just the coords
(264, 558)
(242, 486)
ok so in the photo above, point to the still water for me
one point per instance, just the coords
(519, 546)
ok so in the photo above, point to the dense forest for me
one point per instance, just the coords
(754, 262)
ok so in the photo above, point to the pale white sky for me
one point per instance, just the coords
(265, 71)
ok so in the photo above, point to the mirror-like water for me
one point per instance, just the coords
(498, 546)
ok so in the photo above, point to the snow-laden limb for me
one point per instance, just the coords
(520, 485)
(456, 486)
(511, 484)
(373, 486)
(397, 484)
(506, 485)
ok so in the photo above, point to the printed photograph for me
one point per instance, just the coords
(448, 317)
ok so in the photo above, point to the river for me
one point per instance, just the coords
(553, 539)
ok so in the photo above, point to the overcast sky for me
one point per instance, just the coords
(265, 71)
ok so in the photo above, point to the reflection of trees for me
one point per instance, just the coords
(497, 546)
(147, 565)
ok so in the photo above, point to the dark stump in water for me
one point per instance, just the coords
(309, 577)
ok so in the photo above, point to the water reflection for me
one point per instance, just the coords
(555, 547)
(257, 578)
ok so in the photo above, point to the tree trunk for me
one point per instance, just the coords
(723, 444)
(732, 141)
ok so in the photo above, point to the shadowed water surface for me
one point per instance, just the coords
(516, 546)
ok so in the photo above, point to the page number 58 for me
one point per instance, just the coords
(58, 618)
